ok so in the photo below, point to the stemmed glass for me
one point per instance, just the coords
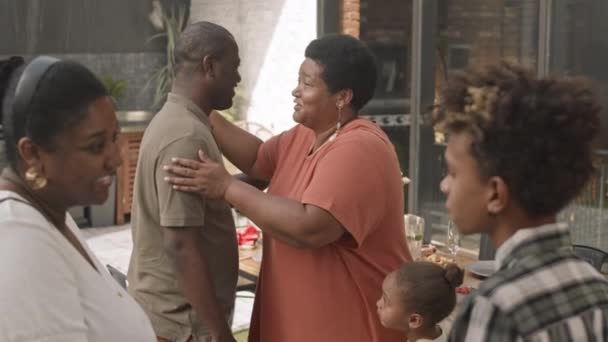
(414, 231)
(453, 240)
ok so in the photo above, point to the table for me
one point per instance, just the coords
(250, 269)
(463, 260)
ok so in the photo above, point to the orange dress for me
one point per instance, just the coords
(329, 294)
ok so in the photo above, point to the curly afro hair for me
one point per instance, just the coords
(536, 134)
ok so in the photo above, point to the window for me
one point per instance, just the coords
(458, 57)
(579, 45)
(469, 33)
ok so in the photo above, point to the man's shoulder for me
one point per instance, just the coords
(177, 120)
(534, 276)
(168, 128)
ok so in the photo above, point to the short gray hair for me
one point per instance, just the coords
(202, 39)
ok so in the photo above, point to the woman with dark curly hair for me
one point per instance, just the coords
(333, 214)
(519, 149)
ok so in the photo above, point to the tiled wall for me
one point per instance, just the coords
(135, 68)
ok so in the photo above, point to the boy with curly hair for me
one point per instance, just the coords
(519, 150)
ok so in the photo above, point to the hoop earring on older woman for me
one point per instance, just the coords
(338, 124)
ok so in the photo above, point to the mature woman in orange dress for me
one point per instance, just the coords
(333, 213)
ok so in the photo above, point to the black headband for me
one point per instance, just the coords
(28, 82)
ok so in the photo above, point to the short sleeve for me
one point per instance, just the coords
(349, 182)
(178, 208)
(268, 154)
(38, 290)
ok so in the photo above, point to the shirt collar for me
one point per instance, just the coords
(535, 240)
(190, 106)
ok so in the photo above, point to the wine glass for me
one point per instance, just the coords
(453, 240)
(414, 232)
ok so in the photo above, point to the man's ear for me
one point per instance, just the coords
(415, 321)
(498, 195)
(208, 65)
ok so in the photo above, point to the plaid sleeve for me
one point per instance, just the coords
(482, 321)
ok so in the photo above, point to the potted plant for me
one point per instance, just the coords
(171, 21)
(115, 88)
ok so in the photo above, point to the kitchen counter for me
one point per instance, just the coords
(133, 121)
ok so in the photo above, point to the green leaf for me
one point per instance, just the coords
(174, 21)
(115, 88)
(156, 36)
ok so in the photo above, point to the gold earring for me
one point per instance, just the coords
(339, 123)
(38, 181)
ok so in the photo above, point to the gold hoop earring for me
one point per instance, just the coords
(36, 180)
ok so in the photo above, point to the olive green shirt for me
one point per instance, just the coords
(180, 129)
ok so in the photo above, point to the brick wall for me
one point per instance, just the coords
(351, 17)
(494, 30)
(386, 21)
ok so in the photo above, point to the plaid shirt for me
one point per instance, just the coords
(541, 292)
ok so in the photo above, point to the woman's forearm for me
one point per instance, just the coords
(272, 214)
(295, 223)
(299, 224)
(238, 145)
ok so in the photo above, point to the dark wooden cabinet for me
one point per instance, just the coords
(130, 142)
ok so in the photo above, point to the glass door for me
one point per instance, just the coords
(386, 27)
(453, 35)
(419, 42)
(579, 45)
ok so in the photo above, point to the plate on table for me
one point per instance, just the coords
(482, 268)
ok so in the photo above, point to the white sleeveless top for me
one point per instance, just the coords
(49, 292)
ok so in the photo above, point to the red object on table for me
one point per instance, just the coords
(248, 236)
(465, 290)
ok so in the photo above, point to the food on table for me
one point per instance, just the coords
(427, 250)
(438, 259)
(429, 253)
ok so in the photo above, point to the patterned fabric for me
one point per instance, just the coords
(541, 292)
